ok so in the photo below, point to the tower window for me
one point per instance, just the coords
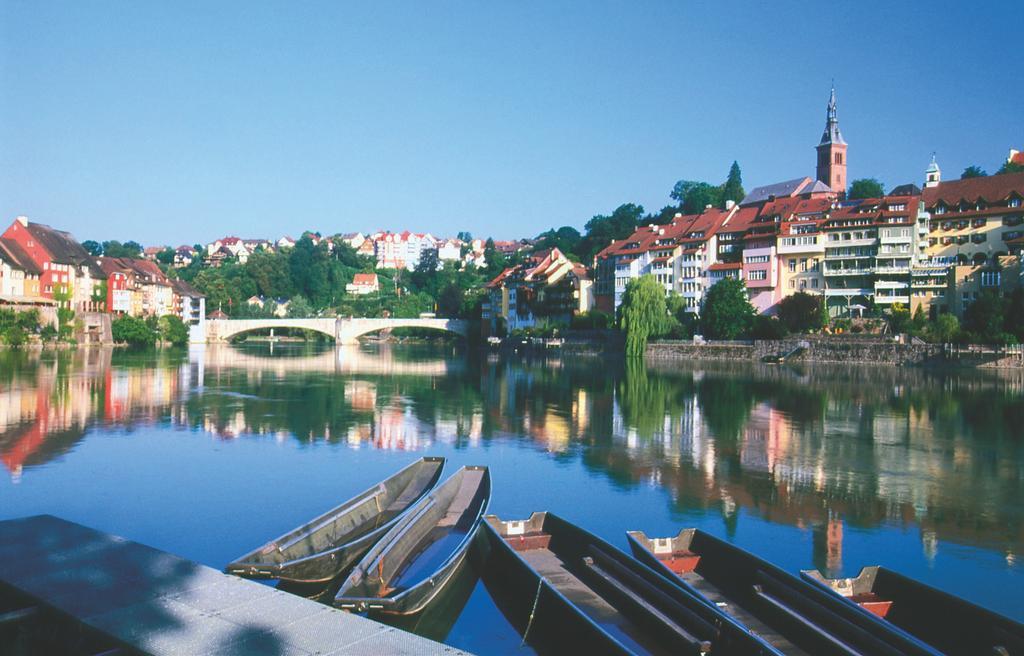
(839, 158)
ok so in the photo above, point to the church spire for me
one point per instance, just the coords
(832, 134)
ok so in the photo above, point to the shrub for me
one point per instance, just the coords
(803, 312)
(766, 327)
(133, 331)
(173, 329)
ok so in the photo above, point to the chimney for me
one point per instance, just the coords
(729, 204)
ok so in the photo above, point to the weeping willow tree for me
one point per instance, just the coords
(644, 313)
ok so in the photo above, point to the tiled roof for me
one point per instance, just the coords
(990, 188)
(725, 266)
(61, 246)
(369, 279)
(12, 253)
(184, 289)
(779, 190)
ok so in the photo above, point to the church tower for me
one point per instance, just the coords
(832, 151)
(933, 174)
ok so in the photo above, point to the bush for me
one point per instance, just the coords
(802, 312)
(133, 331)
(766, 327)
(725, 312)
(943, 330)
(173, 330)
(48, 333)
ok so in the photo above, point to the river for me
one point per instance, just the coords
(211, 452)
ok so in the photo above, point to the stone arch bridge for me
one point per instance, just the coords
(341, 330)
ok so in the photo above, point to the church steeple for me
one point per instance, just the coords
(832, 150)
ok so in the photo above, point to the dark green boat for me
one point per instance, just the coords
(411, 565)
(327, 546)
(569, 592)
(947, 622)
(793, 616)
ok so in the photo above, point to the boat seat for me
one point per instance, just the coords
(529, 541)
(632, 601)
(680, 562)
(872, 602)
(695, 614)
(819, 620)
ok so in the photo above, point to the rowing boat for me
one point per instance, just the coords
(947, 622)
(328, 545)
(568, 591)
(412, 563)
(791, 615)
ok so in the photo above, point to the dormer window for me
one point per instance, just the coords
(1014, 202)
(940, 209)
(897, 207)
(980, 205)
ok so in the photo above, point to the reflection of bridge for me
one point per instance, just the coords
(337, 360)
(342, 331)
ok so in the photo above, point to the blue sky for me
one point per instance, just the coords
(184, 121)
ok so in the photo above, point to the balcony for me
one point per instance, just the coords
(852, 291)
(891, 284)
(893, 269)
(867, 241)
(896, 240)
(848, 272)
(892, 299)
(803, 249)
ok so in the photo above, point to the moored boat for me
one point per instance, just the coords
(791, 615)
(945, 621)
(568, 591)
(413, 563)
(326, 546)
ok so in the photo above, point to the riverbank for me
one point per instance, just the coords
(830, 349)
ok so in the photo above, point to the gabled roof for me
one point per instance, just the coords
(182, 288)
(779, 190)
(364, 279)
(62, 247)
(14, 255)
(990, 188)
(139, 268)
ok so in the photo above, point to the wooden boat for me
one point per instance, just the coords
(945, 621)
(568, 591)
(327, 546)
(791, 615)
(427, 548)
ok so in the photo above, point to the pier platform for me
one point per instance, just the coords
(93, 593)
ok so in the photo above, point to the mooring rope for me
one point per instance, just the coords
(533, 611)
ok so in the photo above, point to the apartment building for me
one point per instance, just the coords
(549, 287)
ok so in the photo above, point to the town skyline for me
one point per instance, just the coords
(495, 124)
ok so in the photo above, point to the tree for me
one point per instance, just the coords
(92, 247)
(464, 236)
(973, 171)
(449, 301)
(944, 329)
(899, 318)
(115, 248)
(166, 256)
(601, 229)
(173, 329)
(643, 313)
(565, 239)
(725, 311)
(494, 260)
(133, 331)
(802, 312)
(1010, 167)
(985, 317)
(694, 196)
(866, 188)
(733, 187)
(299, 308)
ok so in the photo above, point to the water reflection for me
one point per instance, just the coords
(825, 449)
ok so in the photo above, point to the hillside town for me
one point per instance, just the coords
(930, 249)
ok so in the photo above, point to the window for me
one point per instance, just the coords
(792, 265)
(757, 259)
(792, 284)
(940, 209)
(814, 283)
(757, 275)
(990, 278)
(803, 264)
(1014, 202)
(897, 207)
(978, 239)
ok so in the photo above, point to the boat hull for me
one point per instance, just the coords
(567, 591)
(409, 542)
(947, 622)
(319, 551)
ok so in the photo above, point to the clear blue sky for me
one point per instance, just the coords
(171, 122)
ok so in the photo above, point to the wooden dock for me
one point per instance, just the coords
(66, 586)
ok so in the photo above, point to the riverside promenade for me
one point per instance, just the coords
(66, 588)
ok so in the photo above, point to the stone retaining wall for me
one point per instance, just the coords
(823, 349)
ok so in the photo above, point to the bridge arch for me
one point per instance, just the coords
(350, 330)
(224, 329)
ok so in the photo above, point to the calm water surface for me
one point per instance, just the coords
(211, 452)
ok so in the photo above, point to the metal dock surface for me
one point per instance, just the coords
(151, 602)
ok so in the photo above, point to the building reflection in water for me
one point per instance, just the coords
(826, 449)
